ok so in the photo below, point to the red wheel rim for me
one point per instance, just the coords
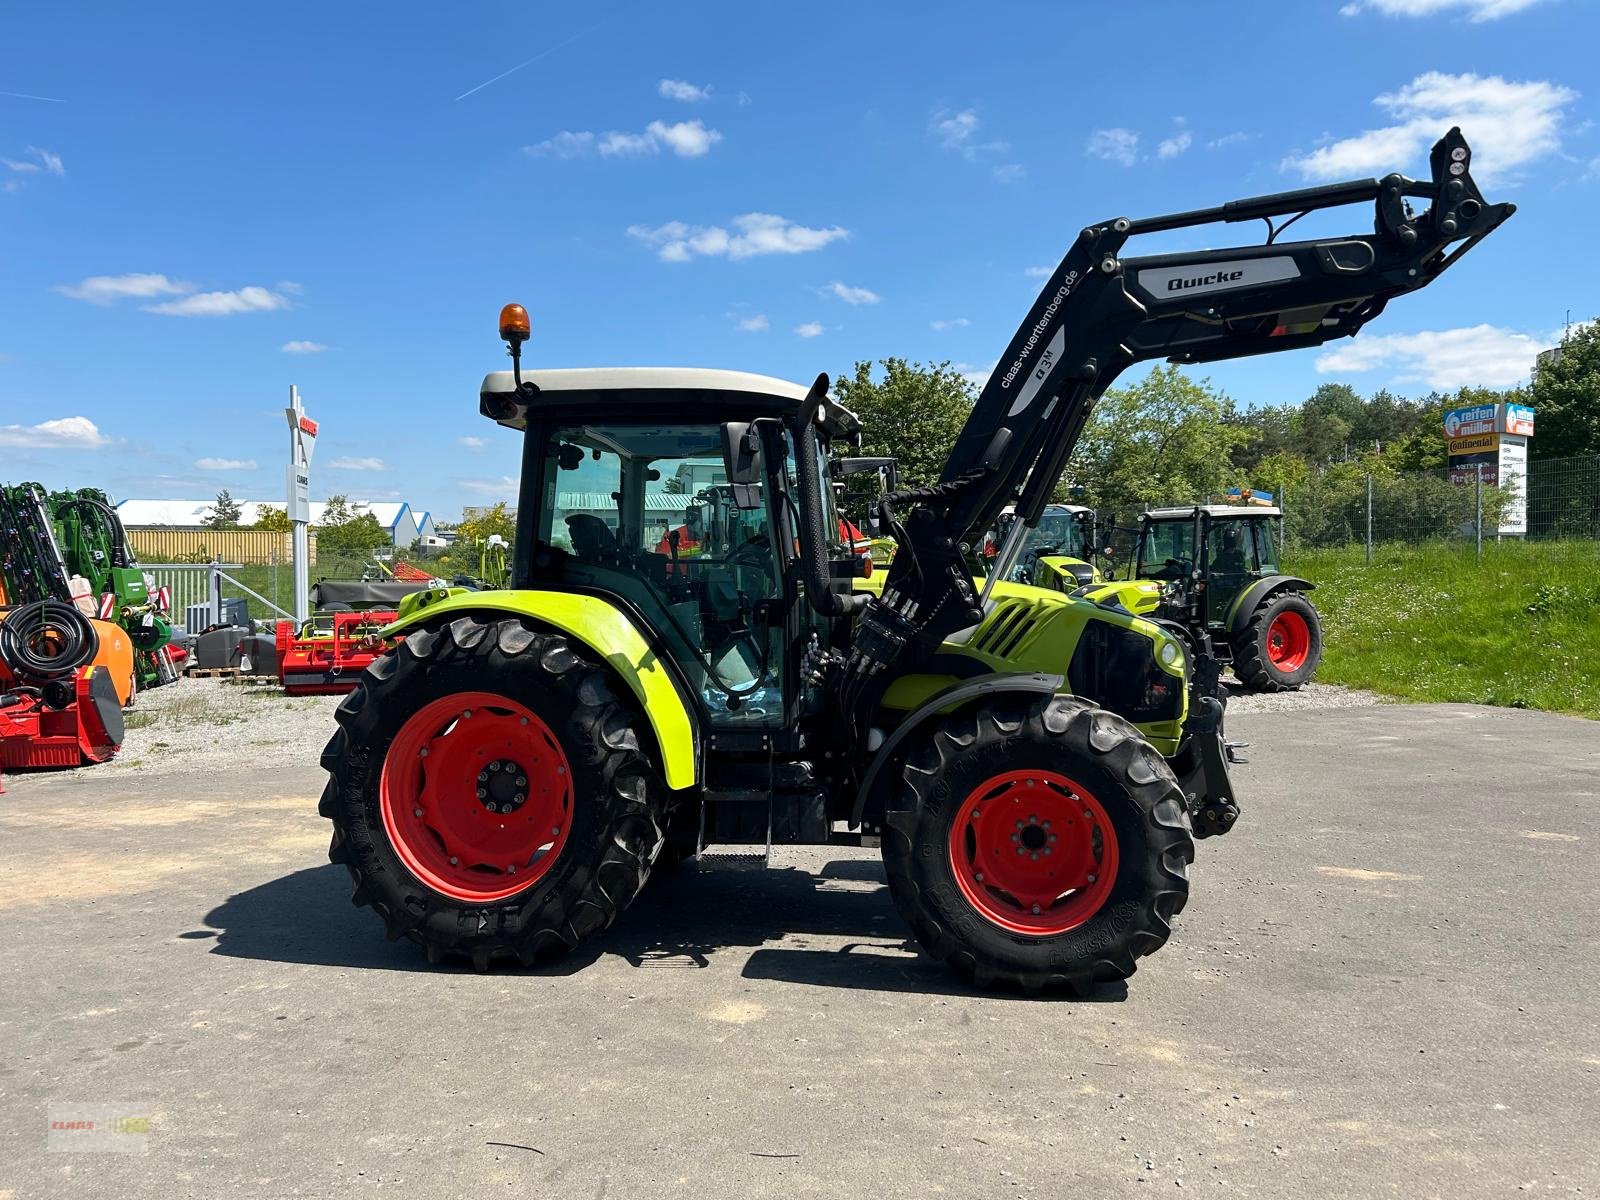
(1033, 852)
(476, 796)
(1288, 641)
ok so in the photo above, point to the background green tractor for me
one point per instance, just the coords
(1057, 553)
(1212, 571)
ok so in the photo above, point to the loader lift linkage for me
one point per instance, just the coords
(1100, 313)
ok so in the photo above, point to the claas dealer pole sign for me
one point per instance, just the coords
(1490, 442)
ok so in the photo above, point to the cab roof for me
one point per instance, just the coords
(681, 393)
(1214, 510)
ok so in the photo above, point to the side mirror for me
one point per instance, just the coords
(741, 458)
(887, 468)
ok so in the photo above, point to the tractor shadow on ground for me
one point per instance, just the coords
(683, 920)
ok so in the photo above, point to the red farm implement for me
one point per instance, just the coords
(327, 654)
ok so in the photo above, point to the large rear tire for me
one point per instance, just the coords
(490, 796)
(1038, 843)
(1281, 646)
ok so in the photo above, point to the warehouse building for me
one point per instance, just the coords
(403, 523)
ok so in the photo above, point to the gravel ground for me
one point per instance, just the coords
(1382, 986)
(197, 726)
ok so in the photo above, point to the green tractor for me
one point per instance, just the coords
(1210, 572)
(1058, 553)
(502, 782)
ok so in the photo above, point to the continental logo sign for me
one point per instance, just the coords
(1475, 443)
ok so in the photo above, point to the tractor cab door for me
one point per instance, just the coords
(1235, 560)
(645, 512)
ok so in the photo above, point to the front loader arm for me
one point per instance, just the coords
(1101, 312)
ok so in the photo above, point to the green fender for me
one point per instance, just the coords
(1246, 602)
(607, 632)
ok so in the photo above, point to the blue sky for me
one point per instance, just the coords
(200, 204)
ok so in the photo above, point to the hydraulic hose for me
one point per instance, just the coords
(46, 640)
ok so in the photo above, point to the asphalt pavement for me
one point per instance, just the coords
(1385, 984)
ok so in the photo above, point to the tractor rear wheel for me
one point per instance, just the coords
(1280, 647)
(1038, 843)
(489, 795)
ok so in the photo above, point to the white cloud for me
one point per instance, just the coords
(757, 233)
(62, 433)
(1175, 145)
(475, 444)
(1445, 359)
(108, 289)
(959, 132)
(1476, 10)
(221, 304)
(225, 464)
(503, 488)
(565, 144)
(851, 295)
(1229, 139)
(303, 347)
(678, 89)
(810, 329)
(22, 168)
(755, 324)
(952, 323)
(686, 139)
(358, 464)
(627, 145)
(1010, 173)
(976, 376)
(1509, 124)
(50, 162)
(1038, 272)
(1114, 145)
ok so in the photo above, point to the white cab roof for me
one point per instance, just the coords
(1217, 510)
(614, 379)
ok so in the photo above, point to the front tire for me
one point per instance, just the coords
(1281, 646)
(490, 796)
(1038, 843)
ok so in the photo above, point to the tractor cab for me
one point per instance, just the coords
(1211, 552)
(672, 491)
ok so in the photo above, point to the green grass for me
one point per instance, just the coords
(1520, 629)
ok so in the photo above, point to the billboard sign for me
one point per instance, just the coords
(1474, 443)
(1464, 422)
(1514, 479)
(1516, 419)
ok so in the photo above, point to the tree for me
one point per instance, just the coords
(349, 529)
(224, 513)
(913, 414)
(1566, 397)
(272, 519)
(1163, 439)
(497, 518)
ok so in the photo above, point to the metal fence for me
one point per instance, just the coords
(1556, 508)
(200, 592)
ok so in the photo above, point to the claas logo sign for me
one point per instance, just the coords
(307, 425)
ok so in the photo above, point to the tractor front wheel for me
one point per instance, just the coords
(1038, 843)
(1280, 647)
(489, 795)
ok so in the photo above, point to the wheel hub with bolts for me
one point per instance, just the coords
(1033, 852)
(476, 796)
(502, 786)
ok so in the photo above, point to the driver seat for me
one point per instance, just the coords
(592, 538)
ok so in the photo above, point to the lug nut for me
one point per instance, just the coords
(416, 812)
(521, 721)
(1091, 879)
(454, 861)
(423, 753)
(1021, 850)
(522, 781)
(1036, 910)
(979, 876)
(482, 793)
